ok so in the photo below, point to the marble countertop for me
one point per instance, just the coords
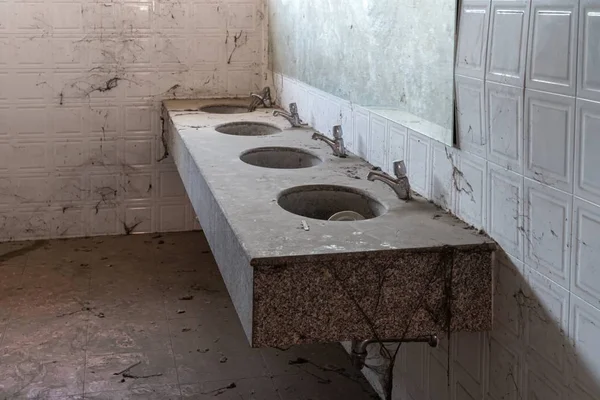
(248, 194)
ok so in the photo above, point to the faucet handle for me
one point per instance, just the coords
(293, 108)
(337, 132)
(399, 169)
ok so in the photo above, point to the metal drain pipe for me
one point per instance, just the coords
(358, 355)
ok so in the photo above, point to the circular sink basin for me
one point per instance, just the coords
(280, 157)
(247, 129)
(224, 109)
(323, 201)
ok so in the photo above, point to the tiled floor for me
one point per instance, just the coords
(142, 317)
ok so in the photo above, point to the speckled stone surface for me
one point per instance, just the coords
(406, 294)
(290, 285)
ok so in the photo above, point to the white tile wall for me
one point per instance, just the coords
(80, 88)
(528, 173)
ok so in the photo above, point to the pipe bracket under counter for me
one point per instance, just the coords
(263, 193)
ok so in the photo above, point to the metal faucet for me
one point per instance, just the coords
(263, 97)
(359, 353)
(337, 144)
(293, 117)
(400, 184)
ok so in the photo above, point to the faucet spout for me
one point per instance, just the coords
(400, 185)
(263, 97)
(337, 144)
(293, 117)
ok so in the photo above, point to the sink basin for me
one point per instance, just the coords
(280, 157)
(247, 129)
(322, 201)
(224, 109)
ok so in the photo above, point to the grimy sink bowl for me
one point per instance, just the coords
(280, 158)
(224, 109)
(322, 201)
(244, 128)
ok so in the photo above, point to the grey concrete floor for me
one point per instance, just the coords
(143, 317)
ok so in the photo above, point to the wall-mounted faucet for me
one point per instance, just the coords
(400, 184)
(293, 117)
(337, 144)
(263, 97)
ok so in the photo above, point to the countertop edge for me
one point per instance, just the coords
(279, 261)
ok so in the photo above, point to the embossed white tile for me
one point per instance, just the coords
(505, 209)
(361, 131)
(32, 17)
(138, 119)
(69, 53)
(68, 121)
(170, 184)
(101, 16)
(5, 157)
(4, 16)
(243, 49)
(552, 47)
(504, 116)
(547, 310)
(584, 332)
(172, 218)
(67, 17)
(171, 19)
(68, 221)
(138, 185)
(28, 86)
(445, 178)
(103, 220)
(471, 191)
(4, 81)
(439, 385)
(241, 16)
(470, 115)
(32, 52)
(29, 156)
(472, 38)
(587, 148)
(138, 218)
(69, 153)
(69, 187)
(138, 152)
(416, 376)
(418, 163)
(7, 51)
(549, 138)
(542, 387)
(507, 45)
(103, 152)
(379, 141)
(346, 120)
(398, 136)
(137, 16)
(4, 122)
(548, 231)
(32, 188)
(508, 289)
(505, 366)
(588, 72)
(585, 275)
(461, 389)
(468, 353)
(209, 16)
(105, 189)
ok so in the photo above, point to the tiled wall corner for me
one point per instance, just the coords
(527, 172)
(81, 83)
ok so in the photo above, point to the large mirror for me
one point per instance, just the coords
(394, 57)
